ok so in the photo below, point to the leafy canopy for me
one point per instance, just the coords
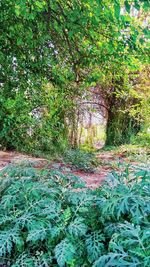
(68, 45)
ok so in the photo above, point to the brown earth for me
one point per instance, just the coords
(15, 157)
(107, 160)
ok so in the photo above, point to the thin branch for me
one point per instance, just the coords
(95, 103)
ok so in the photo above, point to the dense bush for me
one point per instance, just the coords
(143, 138)
(43, 222)
(33, 123)
(81, 160)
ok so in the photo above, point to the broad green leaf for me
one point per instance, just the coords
(127, 6)
(117, 9)
(78, 227)
(137, 5)
(64, 252)
(94, 244)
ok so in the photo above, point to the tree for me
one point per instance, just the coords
(63, 43)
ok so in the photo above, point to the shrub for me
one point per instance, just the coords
(143, 138)
(33, 123)
(45, 221)
(81, 160)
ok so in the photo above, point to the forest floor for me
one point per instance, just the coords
(108, 161)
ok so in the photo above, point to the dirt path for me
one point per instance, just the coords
(93, 180)
(15, 157)
(6, 158)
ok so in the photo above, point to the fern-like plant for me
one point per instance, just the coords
(45, 221)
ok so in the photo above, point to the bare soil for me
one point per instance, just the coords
(93, 180)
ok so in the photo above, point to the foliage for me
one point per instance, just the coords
(136, 155)
(33, 124)
(81, 160)
(44, 221)
(129, 107)
(143, 138)
(69, 45)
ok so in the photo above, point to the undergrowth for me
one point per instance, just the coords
(45, 220)
(81, 160)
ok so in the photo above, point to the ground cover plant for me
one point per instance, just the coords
(129, 153)
(81, 160)
(45, 220)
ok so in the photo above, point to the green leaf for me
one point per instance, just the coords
(64, 252)
(5, 242)
(146, 5)
(116, 260)
(117, 9)
(38, 234)
(78, 227)
(94, 244)
(7, 239)
(17, 10)
(136, 5)
(40, 4)
(24, 260)
(127, 6)
(20, 41)
(147, 32)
